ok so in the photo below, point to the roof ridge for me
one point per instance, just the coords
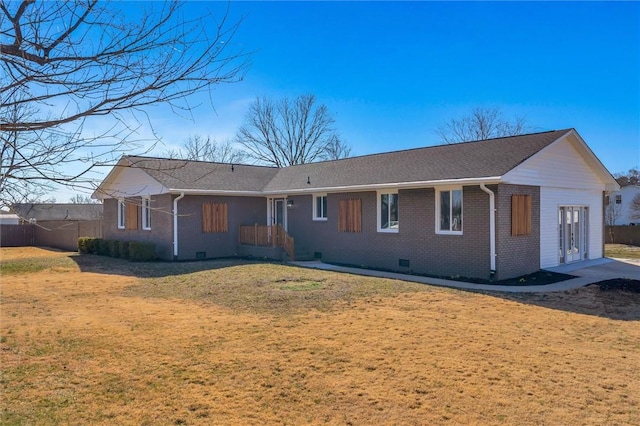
(433, 146)
(186, 160)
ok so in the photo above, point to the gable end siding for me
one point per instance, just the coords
(559, 165)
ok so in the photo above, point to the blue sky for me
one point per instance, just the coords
(392, 72)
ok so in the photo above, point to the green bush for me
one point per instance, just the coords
(87, 245)
(124, 249)
(102, 247)
(114, 248)
(142, 251)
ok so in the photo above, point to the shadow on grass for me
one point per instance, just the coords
(158, 269)
(612, 299)
(616, 299)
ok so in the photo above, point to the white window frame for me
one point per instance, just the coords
(450, 190)
(379, 211)
(146, 213)
(315, 206)
(121, 213)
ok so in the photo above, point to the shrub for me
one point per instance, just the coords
(124, 249)
(102, 247)
(141, 251)
(114, 248)
(87, 245)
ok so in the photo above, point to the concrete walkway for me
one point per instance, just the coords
(587, 272)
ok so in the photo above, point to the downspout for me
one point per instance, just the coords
(175, 224)
(492, 226)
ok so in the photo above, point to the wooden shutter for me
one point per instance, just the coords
(131, 215)
(520, 214)
(214, 217)
(350, 215)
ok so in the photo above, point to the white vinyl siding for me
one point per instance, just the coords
(132, 182)
(550, 200)
(559, 165)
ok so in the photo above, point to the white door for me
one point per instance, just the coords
(573, 233)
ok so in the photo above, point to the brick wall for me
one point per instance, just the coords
(241, 211)
(416, 241)
(161, 232)
(517, 255)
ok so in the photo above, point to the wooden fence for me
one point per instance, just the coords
(57, 234)
(622, 235)
(267, 236)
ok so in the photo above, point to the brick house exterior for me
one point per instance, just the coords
(497, 209)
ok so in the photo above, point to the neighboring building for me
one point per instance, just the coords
(7, 218)
(39, 212)
(496, 208)
(618, 209)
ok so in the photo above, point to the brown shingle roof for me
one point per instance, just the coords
(487, 158)
(201, 175)
(471, 160)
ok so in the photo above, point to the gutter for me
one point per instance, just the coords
(175, 225)
(344, 188)
(492, 226)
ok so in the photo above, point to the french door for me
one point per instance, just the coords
(573, 233)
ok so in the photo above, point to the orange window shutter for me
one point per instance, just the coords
(215, 217)
(131, 215)
(520, 215)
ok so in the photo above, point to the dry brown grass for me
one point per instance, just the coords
(103, 341)
(622, 251)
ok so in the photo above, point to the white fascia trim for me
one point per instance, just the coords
(391, 186)
(217, 192)
(347, 188)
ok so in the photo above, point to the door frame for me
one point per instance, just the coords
(272, 211)
(570, 251)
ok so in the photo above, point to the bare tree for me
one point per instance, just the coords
(632, 177)
(82, 199)
(287, 132)
(207, 149)
(63, 63)
(480, 124)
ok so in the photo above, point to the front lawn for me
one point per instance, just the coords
(94, 340)
(622, 251)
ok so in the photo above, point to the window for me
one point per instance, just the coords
(520, 215)
(214, 217)
(121, 214)
(449, 211)
(146, 213)
(618, 199)
(388, 212)
(350, 215)
(320, 207)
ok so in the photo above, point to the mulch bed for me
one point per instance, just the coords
(620, 284)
